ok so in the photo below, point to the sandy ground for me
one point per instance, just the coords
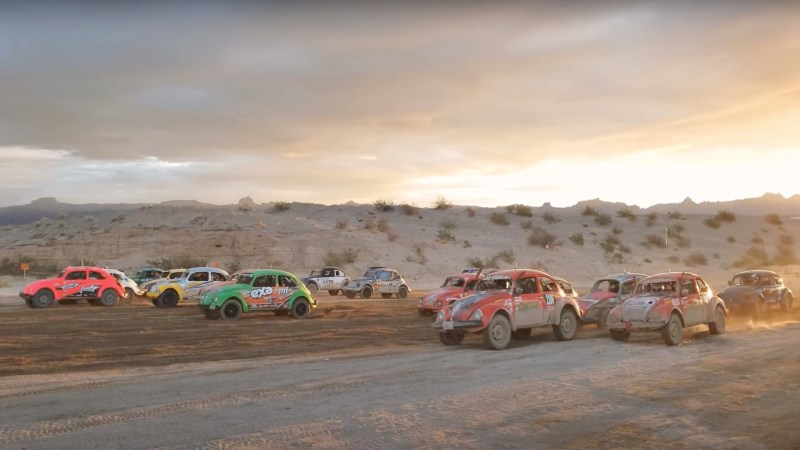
(372, 375)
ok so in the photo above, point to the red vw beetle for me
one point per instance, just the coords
(506, 304)
(72, 284)
(668, 302)
(453, 288)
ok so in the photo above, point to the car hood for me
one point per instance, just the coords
(461, 309)
(444, 292)
(597, 297)
(36, 285)
(636, 308)
(732, 292)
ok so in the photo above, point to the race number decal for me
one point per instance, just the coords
(261, 292)
(549, 299)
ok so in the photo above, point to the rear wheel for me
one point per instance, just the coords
(620, 335)
(42, 299)
(366, 292)
(168, 299)
(109, 297)
(672, 332)
(313, 288)
(718, 325)
(568, 325)
(333, 292)
(231, 309)
(402, 292)
(300, 308)
(498, 334)
(451, 338)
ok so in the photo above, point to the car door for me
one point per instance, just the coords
(528, 302)
(287, 286)
(770, 288)
(262, 295)
(693, 311)
(338, 279)
(195, 282)
(94, 284)
(74, 281)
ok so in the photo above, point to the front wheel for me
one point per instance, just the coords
(313, 288)
(168, 299)
(672, 332)
(402, 292)
(129, 294)
(366, 292)
(300, 309)
(231, 310)
(498, 334)
(718, 325)
(567, 327)
(41, 299)
(333, 292)
(451, 338)
(109, 297)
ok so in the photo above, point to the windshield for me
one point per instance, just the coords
(453, 281)
(378, 275)
(611, 286)
(176, 275)
(658, 288)
(495, 284)
(60, 275)
(315, 273)
(244, 278)
(745, 279)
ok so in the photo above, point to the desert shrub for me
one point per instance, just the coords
(340, 258)
(785, 249)
(675, 215)
(550, 218)
(341, 224)
(624, 249)
(442, 203)
(682, 241)
(383, 225)
(731, 239)
(470, 211)
(577, 238)
(674, 259)
(712, 222)
(650, 219)
(445, 233)
(773, 219)
(610, 243)
(63, 216)
(526, 224)
(602, 219)
(10, 266)
(626, 213)
(647, 260)
(447, 224)
(369, 224)
(384, 205)
(391, 235)
(409, 209)
(589, 211)
(118, 219)
(755, 256)
(280, 206)
(676, 229)
(695, 259)
(507, 256)
(480, 262)
(419, 256)
(466, 244)
(725, 216)
(616, 230)
(498, 218)
(539, 237)
(756, 239)
(520, 210)
(616, 258)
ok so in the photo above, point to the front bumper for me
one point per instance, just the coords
(26, 296)
(457, 325)
(637, 325)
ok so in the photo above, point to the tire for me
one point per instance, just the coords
(567, 327)
(231, 309)
(42, 299)
(402, 292)
(602, 322)
(211, 314)
(109, 298)
(386, 295)
(155, 303)
(350, 295)
(313, 288)
(521, 333)
(366, 292)
(497, 335)
(300, 308)
(451, 338)
(334, 292)
(718, 325)
(672, 332)
(787, 304)
(129, 294)
(620, 335)
(168, 299)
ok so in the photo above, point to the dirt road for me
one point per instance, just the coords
(371, 375)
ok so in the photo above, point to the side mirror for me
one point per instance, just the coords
(730, 282)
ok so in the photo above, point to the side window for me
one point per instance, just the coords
(702, 284)
(327, 273)
(199, 276)
(264, 281)
(217, 276)
(627, 288)
(526, 286)
(96, 276)
(688, 287)
(77, 275)
(395, 276)
(286, 281)
(338, 273)
(548, 285)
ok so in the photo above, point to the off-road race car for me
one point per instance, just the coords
(757, 291)
(453, 288)
(94, 284)
(131, 288)
(668, 302)
(171, 274)
(148, 273)
(606, 293)
(506, 304)
(328, 278)
(169, 293)
(378, 279)
(260, 290)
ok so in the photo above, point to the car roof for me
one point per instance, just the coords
(756, 272)
(259, 272)
(624, 276)
(516, 273)
(671, 276)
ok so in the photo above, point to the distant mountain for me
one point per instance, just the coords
(50, 208)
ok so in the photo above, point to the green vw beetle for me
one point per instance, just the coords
(259, 290)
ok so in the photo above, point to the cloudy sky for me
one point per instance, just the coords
(485, 103)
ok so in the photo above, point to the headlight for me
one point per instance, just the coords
(440, 315)
(438, 303)
(477, 315)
